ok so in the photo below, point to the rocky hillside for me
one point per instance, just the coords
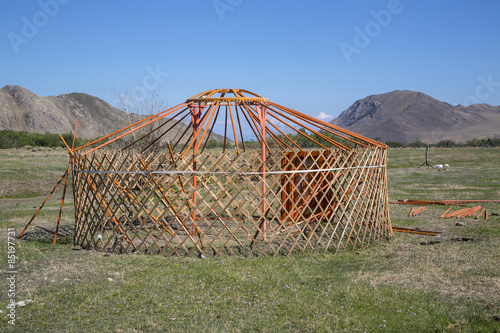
(22, 110)
(406, 116)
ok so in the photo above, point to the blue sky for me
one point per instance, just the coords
(316, 56)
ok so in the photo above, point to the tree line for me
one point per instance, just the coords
(18, 139)
(304, 142)
(320, 141)
(490, 142)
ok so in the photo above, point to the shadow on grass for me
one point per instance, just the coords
(35, 234)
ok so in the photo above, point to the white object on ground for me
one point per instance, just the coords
(23, 303)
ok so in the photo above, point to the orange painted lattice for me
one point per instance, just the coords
(122, 206)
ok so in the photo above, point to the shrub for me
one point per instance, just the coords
(18, 139)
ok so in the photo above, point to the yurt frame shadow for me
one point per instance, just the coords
(279, 199)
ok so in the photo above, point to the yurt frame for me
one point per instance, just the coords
(188, 200)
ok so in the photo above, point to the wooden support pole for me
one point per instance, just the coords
(154, 117)
(457, 213)
(212, 111)
(255, 132)
(416, 231)
(262, 117)
(62, 202)
(225, 133)
(478, 215)
(199, 124)
(300, 132)
(158, 117)
(319, 134)
(446, 212)
(103, 202)
(65, 183)
(336, 128)
(183, 190)
(157, 128)
(46, 199)
(216, 111)
(239, 126)
(196, 111)
(254, 121)
(234, 129)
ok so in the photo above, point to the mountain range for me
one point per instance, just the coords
(405, 116)
(401, 116)
(22, 110)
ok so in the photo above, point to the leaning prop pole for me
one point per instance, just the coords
(98, 195)
(65, 184)
(62, 202)
(43, 204)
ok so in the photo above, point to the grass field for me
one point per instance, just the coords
(412, 283)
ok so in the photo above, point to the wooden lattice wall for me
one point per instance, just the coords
(319, 201)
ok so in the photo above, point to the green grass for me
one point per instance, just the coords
(450, 286)
(30, 172)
